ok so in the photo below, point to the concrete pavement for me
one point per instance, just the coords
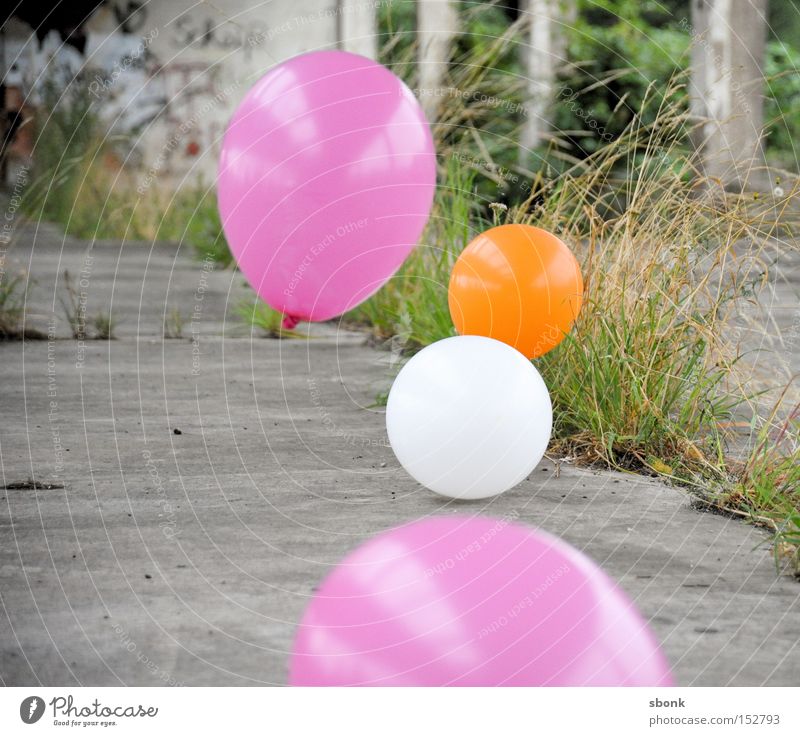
(210, 482)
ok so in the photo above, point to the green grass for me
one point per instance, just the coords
(74, 308)
(13, 289)
(413, 304)
(767, 486)
(263, 318)
(104, 324)
(100, 326)
(96, 200)
(82, 182)
(174, 322)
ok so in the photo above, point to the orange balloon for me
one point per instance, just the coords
(518, 284)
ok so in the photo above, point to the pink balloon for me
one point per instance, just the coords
(472, 601)
(325, 183)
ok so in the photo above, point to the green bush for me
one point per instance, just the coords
(617, 51)
(782, 105)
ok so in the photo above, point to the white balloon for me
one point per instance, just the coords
(469, 417)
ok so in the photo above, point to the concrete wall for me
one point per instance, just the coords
(171, 73)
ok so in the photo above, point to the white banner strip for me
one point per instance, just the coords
(400, 712)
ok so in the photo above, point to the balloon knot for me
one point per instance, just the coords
(289, 322)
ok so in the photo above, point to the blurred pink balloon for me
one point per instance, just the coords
(472, 601)
(325, 183)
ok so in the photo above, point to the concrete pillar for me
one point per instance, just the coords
(437, 27)
(729, 38)
(358, 27)
(540, 66)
